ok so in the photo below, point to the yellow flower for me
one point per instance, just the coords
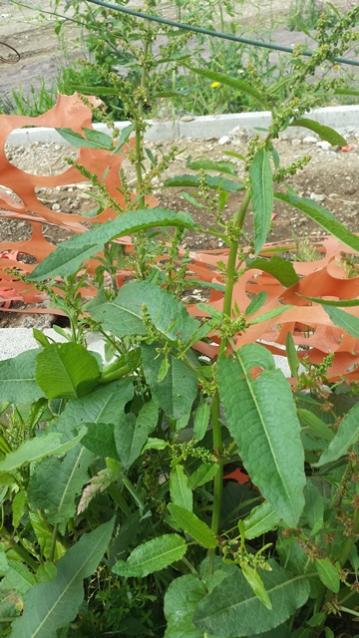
(215, 85)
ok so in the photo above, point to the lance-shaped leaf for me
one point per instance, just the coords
(206, 164)
(322, 217)
(261, 417)
(124, 315)
(17, 379)
(260, 173)
(52, 605)
(49, 444)
(92, 139)
(181, 493)
(70, 254)
(210, 181)
(232, 609)
(132, 432)
(261, 520)
(280, 268)
(177, 391)
(343, 319)
(66, 370)
(328, 574)
(152, 556)
(55, 484)
(242, 86)
(192, 525)
(104, 405)
(325, 132)
(346, 436)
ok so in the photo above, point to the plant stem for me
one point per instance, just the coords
(233, 252)
(227, 308)
(218, 449)
(53, 544)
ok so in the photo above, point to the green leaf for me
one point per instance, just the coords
(343, 319)
(313, 423)
(100, 439)
(201, 420)
(43, 535)
(346, 436)
(92, 139)
(292, 355)
(270, 314)
(177, 391)
(104, 405)
(232, 609)
(71, 254)
(48, 444)
(55, 484)
(17, 379)
(256, 584)
(260, 173)
(325, 132)
(124, 137)
(132, 433)
(280, 268)
(345, 303)
(313, 513)
(256, 303)
(235, 83)
(328, 574)
(52, 605)
(181, 600)
(210, 181)
(262, 519)
(206, 164)
(124, 315)
(18, 578)
(18, 508)
(322, 217)
(181, 493)
(192, 525)
(268, 439)
(203, 474)
(347, 90)
(152, 556)
(66, 370)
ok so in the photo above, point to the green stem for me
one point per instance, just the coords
(227, 309)
(218, 450)
(53, 544)
(233, 253)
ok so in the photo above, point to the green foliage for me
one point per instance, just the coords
(231, 494)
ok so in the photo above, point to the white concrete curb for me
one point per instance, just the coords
(342, 118)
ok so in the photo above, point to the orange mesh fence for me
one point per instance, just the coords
(309, 324)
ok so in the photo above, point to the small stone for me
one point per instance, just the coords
(225, 139)
(309, 139)
(56, 207)
(296, 142)
(187, 118)
(325, 146)
(316, 197)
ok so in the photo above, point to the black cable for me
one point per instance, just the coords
(9, 60)
(215, 34)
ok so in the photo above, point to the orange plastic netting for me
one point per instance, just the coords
(308, 323)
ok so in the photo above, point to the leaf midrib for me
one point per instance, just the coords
(66, 588)
(262, 420)
(248, 601)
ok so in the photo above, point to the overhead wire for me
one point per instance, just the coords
(210, 32)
